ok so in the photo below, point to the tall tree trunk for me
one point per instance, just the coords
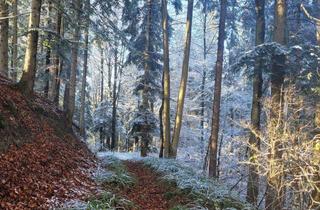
(74, 64)
(213, 141)
(146, 137)
(109, 76)
(26, 83)
(114, 100)
(14, 58)
(274, 194)
(84, 74)
(102, 72)
(315, 193)
(4, 33)
(166, 83)
(48, 53)
(55, 71)
(204, 73)
(102, 136)
(254, 141)
(59, 63)
(183, 83)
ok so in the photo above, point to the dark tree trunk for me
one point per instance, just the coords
(204, 74)
(217, 93)
(274, 194)
(84, 75)
(48, 54)
(74, 65)
(114, 100)
(254, 141)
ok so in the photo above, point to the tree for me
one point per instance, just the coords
(183, 82)
(253, 178)
(315, 193)
(114, 99)
(4, 33)
(144, 48)
(166, 83)
(48, 43)
(85, 70)
(26, 82)
(57, 60)
(213, 141)
(14, 58)
(74, 63)
(274, 194)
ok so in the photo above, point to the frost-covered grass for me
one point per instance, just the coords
(119, 175)
(110, 201)
(186, 179)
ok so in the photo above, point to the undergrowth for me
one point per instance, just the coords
(207, 192)
(119, 176)
(108, 200)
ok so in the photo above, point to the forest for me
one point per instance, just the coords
(160, 104)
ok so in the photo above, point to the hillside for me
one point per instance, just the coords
(41, 162)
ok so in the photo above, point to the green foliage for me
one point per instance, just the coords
(108, 200)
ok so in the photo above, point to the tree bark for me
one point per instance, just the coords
(114, 99)
(204, 73)
(254, 141)
(4, 33)
(48, 53)
(274, 194)
(74, 64)
(59, 63)
(26, 82)
(146, 137)
(84, 75)
(183, 83)
(213, 141)
(14, 58)
(54, 71)
(102, 72)
(166, 83)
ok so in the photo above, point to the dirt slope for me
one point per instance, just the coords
(41, 163)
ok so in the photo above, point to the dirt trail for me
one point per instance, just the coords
(149, 193)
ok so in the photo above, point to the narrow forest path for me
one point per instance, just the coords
(149, 192)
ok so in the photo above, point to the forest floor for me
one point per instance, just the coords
(149, 192)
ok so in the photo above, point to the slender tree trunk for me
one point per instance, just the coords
(54, 71)
(74, 65)
(109, 77)
(166, 83)
(204, 74)
(14, 58)
(84, 75)
(213, 141)
(4, 33)
(114, 100)
(59, 63)
(254, 141)
(274, 195)
(26, 83)
(48, 53)
(102, 72)
(146, 137)
(183, 83)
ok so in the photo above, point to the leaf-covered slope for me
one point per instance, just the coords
(41, 162)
